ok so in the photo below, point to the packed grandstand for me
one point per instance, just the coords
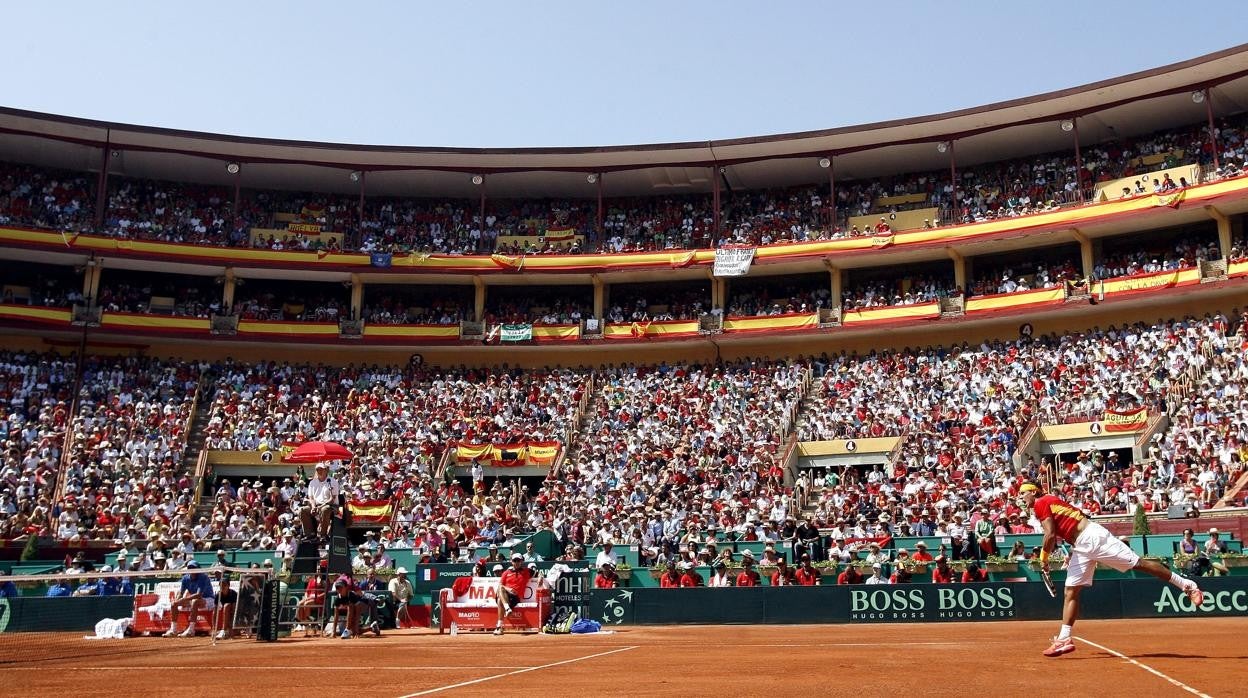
(137, 377)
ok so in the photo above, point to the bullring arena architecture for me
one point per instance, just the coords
(829, 357)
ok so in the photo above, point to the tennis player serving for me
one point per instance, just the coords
(1091, 543)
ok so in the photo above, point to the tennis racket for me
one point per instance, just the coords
(1048, 582)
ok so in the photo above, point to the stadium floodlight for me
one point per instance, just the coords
(825, 163)
(116, 153)
(477, 180)
(1068, 125)
(942, 147)
(592, 178)
(1198, 96)
(233, 168)
(355, 175)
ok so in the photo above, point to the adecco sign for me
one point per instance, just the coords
(1224, 596)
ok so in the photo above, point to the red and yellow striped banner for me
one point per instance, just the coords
(771, 323)
(1148, 282)
(1011, 301)
(36, 313)
(1125, 420)
(160, 322)
(556, 333)
(891, 313)
(421, 332)
(666, 329)
(370, 511)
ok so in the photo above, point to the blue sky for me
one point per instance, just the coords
(571, 73)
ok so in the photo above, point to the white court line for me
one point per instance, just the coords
(1149, 669)
(134, 667)
(663, 643)
(518, 671)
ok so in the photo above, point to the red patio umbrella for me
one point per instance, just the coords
(318, 452)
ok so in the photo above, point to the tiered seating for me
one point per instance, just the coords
(205, 215)
(126, 460)
(35, 397)
(173, 212)
(1206, 446)
(52, 199)
(396, 421)
(962, 411)
(686, 438)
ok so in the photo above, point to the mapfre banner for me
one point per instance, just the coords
(733, 261)
(508, 455)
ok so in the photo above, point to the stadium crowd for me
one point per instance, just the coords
(35, 401)
(396, 421)
(666, 456)
(174, 212)
(961, 412)
(694, 446)
(124, 474)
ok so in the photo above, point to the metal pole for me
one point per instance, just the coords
(1213, 139)
(482, 212)
(715, 200)
(101, 186)
(953, 179)
(599, 228)
(1078, 161)
(832, 193)
(359, 222)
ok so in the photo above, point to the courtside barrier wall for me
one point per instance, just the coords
(909, 603)
(859, 603)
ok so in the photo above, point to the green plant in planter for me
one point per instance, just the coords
(31, 550)
(1181, 560)
(1000, 564)
(1140, 526)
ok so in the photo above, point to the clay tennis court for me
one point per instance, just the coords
(1166, 657)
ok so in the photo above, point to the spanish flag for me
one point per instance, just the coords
(1171, 199)
(639, 329)
(466, 452)
(507, 455)
(370, 511)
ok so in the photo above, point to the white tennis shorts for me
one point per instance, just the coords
(1097, 545)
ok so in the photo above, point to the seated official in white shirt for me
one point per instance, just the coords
(323, 492)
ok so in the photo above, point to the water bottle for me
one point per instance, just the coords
(454, 628)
